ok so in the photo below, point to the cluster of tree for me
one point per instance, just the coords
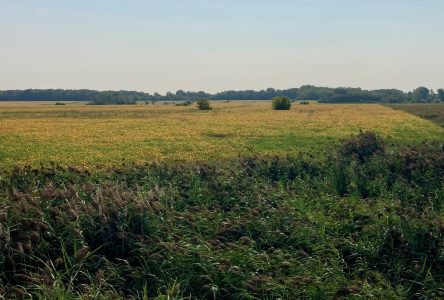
(267, 94)
(306, 92)
(97, 97)
(350, 95)
(110, 97)
(337, 95)
(48, 95)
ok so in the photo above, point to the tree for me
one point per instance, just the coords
(307, 92)
(281, 103)
(421, 94)
(203, 104)
(111, 97)
(107, 97)
(441, 94)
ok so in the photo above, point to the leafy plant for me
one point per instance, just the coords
(281, 103)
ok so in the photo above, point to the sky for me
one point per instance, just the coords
(216, 45)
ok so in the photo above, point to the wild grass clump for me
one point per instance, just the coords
(257, 227)
(414, 173)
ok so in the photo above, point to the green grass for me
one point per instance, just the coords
(433, 112)
(106, 136)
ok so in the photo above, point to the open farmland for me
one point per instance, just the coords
(205, 150)
(240, 202)
(86, 136)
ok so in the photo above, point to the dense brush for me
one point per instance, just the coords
(366, 221)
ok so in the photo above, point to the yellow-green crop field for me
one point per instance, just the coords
(101, 136)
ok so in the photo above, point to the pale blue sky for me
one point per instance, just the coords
(211, 45)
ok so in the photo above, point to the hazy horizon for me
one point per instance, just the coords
(160, 46)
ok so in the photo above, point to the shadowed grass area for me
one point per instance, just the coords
(364, 220)
(433, 111)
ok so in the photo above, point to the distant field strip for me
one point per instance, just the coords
(84, 135)
(433, 112)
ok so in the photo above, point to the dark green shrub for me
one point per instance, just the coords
(281, 103)
(362, 147)
(203, 104)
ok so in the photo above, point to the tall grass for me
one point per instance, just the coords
(357, 223)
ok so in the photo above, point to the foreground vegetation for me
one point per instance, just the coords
(104, 136)
(365, 221)
(432, 112)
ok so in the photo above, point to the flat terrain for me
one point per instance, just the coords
(84, 135)
(433, 112)
(361, 218)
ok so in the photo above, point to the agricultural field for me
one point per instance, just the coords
(103, 136)
(433, 112)
(240, 202)
(245, 150)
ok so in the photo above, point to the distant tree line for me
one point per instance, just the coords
(306, 92)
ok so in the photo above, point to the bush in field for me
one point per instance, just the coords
(281, 103)
(204, 104)
(362, 147)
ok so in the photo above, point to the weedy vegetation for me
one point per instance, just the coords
(364, 221)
